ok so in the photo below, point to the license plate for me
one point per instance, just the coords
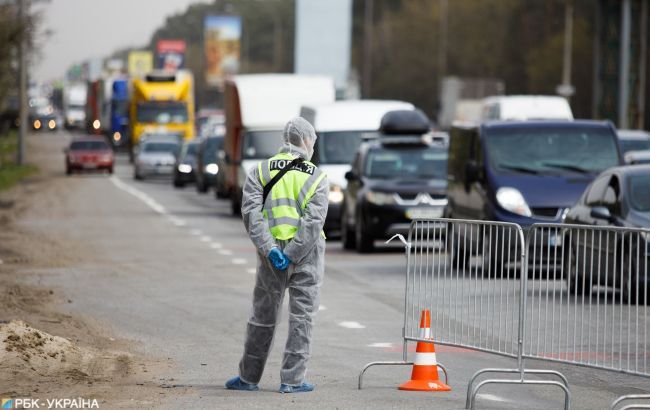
(89, 165)
(424, 213)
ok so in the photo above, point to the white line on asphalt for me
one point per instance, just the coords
(205, 238)
(322, 307)
(177, 221)
(252, 271)
(352, 325)
(381, 344)
(238, 261)
(196, 232)
(215, 245)
(138, 194)
(492, 397)
(225, 252)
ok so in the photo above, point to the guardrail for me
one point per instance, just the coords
(563, 293)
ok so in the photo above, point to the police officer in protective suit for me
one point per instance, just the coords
(287, 230)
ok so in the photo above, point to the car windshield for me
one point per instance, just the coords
(340, 147)
(160, 147)
(635, 145)
(262, 144)
(640, 192)
(551, 150)
(77, 107)
(89, 146)
(213, 145)
(407, 162)
(162, 112)
(190, 149)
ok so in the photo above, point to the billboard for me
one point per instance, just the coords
(316, 53)
(170, 54)
(140, 63)
(221, 41)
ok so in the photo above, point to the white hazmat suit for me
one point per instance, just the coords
(303, 277)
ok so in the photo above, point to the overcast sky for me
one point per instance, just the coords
(95, 28)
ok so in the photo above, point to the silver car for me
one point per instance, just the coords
(155, 157)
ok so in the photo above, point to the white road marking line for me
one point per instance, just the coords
(225, 252)
(206, 238)
(196, 232)
(215, 245)
(152, 203)
(238, 261)
(493, 397)
(381, 344)
(322, 307)
(351, 325)
(177, 221)
(252, 271)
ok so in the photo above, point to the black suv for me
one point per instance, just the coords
(399, 177)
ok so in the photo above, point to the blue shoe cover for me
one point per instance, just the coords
(303, 388)
(237, 384)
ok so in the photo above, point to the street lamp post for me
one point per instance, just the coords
(22, 80)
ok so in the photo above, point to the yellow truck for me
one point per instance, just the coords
(162, 102)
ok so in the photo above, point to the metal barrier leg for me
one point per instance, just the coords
(631, 406)
(567, 393)
(472, 380)
(400, 363)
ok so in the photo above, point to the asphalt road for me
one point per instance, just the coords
(174, 271)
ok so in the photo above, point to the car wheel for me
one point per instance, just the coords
(571, 267)
(347, 234)
(364, 242)
(201, 186)
(110, 170)
(492, 256)
(633, 290)
(178, 183)
(235, 204)
(68, 170)
(458, 255)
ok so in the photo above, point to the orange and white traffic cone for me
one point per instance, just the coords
(425, 368)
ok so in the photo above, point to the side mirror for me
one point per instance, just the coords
(601, 212)
(351, 176)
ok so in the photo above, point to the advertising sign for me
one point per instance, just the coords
(140, 63)
(170, 54)
(222, 48)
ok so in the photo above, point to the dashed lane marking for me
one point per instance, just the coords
(152, 203)
(351, 325)
(252, 271)
(205, 238)
(196, 232)
(381, 345)
(225, 252)
(238, 261)
(215, 245)
(322, 307)
(492, 397)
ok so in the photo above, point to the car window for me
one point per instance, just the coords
(406, 162)
(89, 146)
(640, 192)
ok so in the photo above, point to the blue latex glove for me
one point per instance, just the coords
(278, 259)
(286, 263)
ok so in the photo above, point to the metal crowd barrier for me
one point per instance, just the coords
(622, 403)
(468, 274)
(586, 294)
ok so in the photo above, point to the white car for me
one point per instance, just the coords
(155, 157)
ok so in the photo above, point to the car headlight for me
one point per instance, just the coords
(212, 169)
(184, 168)
(106, 157)
(380, 198)
(336, 194)
(513, 201)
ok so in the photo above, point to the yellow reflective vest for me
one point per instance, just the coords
(288, 198)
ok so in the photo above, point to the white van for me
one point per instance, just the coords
(257, 107)
(341, 127)
(526, 107)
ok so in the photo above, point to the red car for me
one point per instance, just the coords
(88, 154)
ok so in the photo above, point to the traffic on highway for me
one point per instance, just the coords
(460, 239)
